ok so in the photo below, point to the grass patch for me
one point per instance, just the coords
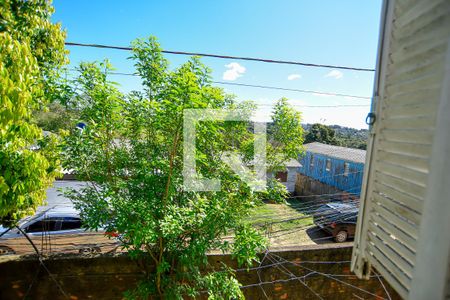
(280, 216)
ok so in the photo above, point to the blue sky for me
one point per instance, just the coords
(323, 32)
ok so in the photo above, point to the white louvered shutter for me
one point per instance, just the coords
(410, 81)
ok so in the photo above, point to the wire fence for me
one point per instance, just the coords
(302, 216)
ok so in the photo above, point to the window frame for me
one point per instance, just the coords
(346, 168)
(42, 229)
(66, 220)
(328, 165)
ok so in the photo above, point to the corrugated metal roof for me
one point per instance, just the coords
(355, 155)
(290, 163)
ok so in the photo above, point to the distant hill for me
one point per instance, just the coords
(346, 136)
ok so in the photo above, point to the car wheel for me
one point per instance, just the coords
(341, 236)
(5, 250)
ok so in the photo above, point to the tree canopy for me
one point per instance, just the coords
(32, 51)
(131, 154)
(322, 134)
(336, 135)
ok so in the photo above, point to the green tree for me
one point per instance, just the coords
(131, 155)
(57, 117)
(32, 50)
(322, 134)
(285, 134)
(275, 192)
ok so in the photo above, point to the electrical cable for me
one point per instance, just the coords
(267, 87)
(265, 60)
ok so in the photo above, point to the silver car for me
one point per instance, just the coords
(56, 232)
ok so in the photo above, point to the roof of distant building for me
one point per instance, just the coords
(292, 163)
(349, 154)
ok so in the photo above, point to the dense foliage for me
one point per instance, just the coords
(351, 137)
(32, 51)
(322, 134)
(131, 154)
(336, 135)
(275, 192)
(56, 117)
(285, 134)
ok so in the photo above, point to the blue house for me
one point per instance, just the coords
(336, 168)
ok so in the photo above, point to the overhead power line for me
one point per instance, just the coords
(292, 90)
(266, 87)
(319, 106)
(274, 61)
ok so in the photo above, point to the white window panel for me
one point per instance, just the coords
(403, 226)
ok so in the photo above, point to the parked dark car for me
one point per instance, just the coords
(338, 219)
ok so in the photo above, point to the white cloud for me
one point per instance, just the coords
(234, 71)
(294, 76)
(335, 74)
